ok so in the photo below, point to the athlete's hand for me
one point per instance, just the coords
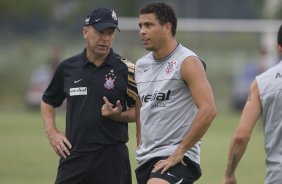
(59, 142)
(229, 180)
(108, 109)
(171, 161)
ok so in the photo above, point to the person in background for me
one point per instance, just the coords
(100, 90)
(40, 78)
(265, 100)
(245, 77)
(175, 104)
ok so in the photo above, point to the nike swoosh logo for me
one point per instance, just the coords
(76, 81)
(145, 70)
(170, 174)
(97, 20)
(180, 181)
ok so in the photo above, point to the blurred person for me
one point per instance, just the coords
(265, 99)
(245, 77)
(264, 61)
(175, 106)
(40, 78)
(100, 90)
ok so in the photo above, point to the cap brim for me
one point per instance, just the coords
(104, 25)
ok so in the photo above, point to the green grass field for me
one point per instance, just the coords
(27, 158)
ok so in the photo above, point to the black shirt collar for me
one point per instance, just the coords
(110, 59)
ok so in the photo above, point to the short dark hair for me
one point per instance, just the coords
(163, 12)
(279, 36)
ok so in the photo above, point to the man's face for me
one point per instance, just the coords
(151, 31)
(99, 42)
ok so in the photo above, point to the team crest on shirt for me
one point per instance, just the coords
(110, 80)
(170, 66)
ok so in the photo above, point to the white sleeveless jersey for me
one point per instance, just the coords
(270, 91)
(168, 109)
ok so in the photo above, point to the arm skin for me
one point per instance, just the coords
(56, 138)
(194, 75)
(249, 117)
(116, 113)
(138, 124)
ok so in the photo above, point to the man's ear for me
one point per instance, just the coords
(279, 48)
(168, 27)
(84, 32)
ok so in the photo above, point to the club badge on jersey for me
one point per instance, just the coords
(170, 66)
(110, 80)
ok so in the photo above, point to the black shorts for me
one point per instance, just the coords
(107, 165)
(186, 174)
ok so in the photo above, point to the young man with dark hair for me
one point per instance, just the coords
(175, 105)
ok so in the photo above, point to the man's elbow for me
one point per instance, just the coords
(211, 112)
(241, 139)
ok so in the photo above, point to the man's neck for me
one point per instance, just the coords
(166, 49)
(96, 59)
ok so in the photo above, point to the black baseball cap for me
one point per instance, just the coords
(102, 18)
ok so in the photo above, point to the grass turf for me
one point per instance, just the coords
(27, 158)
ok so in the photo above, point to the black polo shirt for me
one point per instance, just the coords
(84, 85)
